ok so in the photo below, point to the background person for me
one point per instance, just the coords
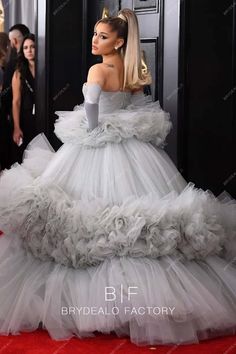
(23, 104)
(8, 153)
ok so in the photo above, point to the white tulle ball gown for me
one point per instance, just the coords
(105, 234)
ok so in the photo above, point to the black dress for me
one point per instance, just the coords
(27, 110)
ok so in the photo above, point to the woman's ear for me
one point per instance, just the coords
(119, 43)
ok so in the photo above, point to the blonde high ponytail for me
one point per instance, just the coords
(126, 26)
(134, 77)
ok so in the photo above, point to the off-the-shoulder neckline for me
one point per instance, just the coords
(94, 83)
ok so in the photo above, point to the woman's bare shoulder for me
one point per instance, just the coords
(97, 74)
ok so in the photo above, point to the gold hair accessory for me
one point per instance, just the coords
(144, 62)
(105, 12)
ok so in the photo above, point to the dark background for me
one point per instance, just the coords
(207, 115)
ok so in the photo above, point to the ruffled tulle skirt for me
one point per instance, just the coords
(113, 239)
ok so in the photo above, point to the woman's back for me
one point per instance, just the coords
(114, 76)
(110, 76)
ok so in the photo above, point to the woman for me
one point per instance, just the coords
(107, 235)
(23, 104)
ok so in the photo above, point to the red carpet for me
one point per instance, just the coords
(39, 342)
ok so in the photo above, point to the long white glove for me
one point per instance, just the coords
(91, 101)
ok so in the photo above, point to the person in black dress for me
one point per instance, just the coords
(7, 150)
(16, 36)
(23, 104)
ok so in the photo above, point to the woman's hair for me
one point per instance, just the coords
(22, 62)
(126, 26)
(4, 45)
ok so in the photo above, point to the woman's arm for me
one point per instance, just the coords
(16, 104)
(95, 82)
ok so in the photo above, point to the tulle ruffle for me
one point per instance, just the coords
(147, 123)
(79, 233)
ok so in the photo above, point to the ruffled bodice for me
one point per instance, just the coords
(122, 116)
